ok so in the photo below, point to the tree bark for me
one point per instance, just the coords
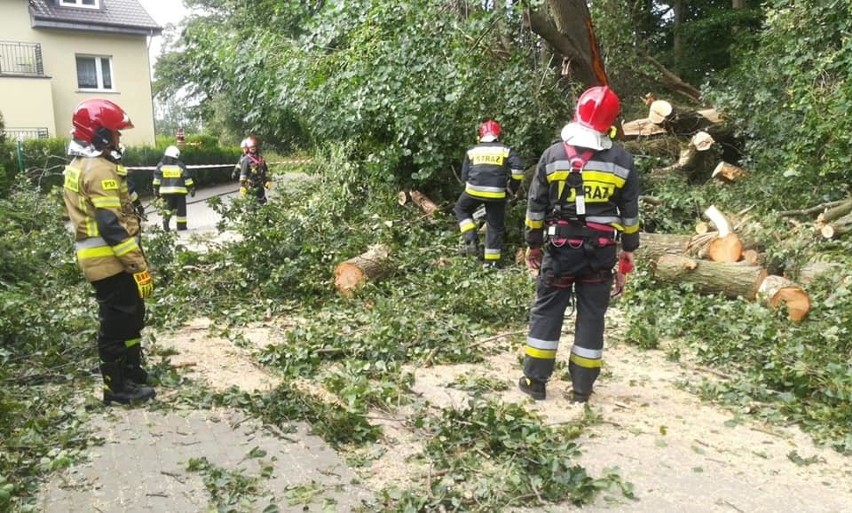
(423, 201)
(567, 33)
(368, 266)
(732, 280)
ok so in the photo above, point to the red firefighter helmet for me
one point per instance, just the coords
(489, 129)
(96, 120)
(597, 108)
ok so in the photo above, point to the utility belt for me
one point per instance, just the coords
(565, 231)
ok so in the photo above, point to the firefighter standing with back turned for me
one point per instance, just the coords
(583, 198)
(489, 169)
(172, 181)
(106, 234)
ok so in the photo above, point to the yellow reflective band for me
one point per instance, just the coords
(189, 181)
(91, 228)
(541, 354)
(518, 176)
(558, 176)
(125, 247)
(602, 177)
(467, 226)
(100, 252)
(492, 256)
(481, 194)
(535, 225)
(631, 229)
(121, 170)
(156, 181)
(72, 178)
(108, 202)
(586, 362)
(132, 342)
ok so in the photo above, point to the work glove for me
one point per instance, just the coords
(267, 185)
(192, 192)
(243, 191)
(625, 267)
(533, 258)
(144, 283)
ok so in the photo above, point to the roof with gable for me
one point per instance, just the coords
(113, 16)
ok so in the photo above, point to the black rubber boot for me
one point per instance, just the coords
(119, 389)
(134, 369)
(532, 388)
(577, 398)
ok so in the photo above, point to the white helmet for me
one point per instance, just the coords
(173, 152)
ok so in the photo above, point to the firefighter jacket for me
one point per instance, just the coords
(172, 177)
(253, 172)
(611, 189)
(106, 228)
(489, 168)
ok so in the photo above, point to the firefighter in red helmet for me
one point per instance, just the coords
(106, 233)
(254, 173)
(583, 201)
(489, 169)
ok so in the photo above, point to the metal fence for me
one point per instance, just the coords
(13, 134)
(21, 59)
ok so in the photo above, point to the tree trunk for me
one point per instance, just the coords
(777, 291)
(732, 280)
(566, 29)
(837, 227)
(356, 271)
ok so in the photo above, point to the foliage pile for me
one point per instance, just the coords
(47, 329)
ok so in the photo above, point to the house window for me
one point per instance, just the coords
(94, 72)
(91, 4)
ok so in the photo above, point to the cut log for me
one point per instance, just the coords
(751, 257)
(402, 197)
(701, 227)
(423, 201)
(727, 172)
(837, 227)
(659, 111)
(643, 127)
(654, 245)
(835, 212)
(778, 291)
(732, 280)
(725, 249)
(368, 266)
(702, 141)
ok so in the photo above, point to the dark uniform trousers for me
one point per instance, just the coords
(175, 205)
(495, 220)
(585, 271)
(122, 316)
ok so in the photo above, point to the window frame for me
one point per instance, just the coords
(99, 75)
(79, 4)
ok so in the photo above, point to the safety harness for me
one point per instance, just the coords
(576, 231)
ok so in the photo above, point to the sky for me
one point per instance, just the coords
(163, 12)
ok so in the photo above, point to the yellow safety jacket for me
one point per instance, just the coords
(106, 229)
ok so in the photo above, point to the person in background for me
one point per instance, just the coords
(172, 181)
(108, 247)
(583, 199)
(254, 173)
(244, 144)
(489, 169)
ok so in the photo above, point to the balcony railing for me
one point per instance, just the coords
(13, 134)
(21, 59)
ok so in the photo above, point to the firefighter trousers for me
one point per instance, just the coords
(584, 272)
(122, 316)
(495, 220)
(175, 206)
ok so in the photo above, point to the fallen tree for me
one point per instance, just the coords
(732, 280)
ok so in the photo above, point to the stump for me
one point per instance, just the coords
(778, 291)
(732, 280)
(368, 266)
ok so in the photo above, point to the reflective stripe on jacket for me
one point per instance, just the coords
(610, 186)
(172, 178)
